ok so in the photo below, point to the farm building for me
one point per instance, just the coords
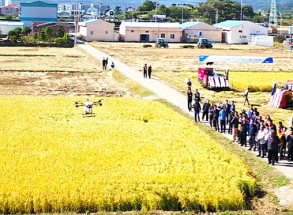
(194, 30)
(38, 12)
(37, 27)
(7, 26)
(98, 30)
(150, 31)
(240, 32)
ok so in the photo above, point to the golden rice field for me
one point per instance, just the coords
(257, 81)
(134, 155)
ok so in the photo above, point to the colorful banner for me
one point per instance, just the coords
(235, 59)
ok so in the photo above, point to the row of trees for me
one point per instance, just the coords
(24, 35)
(211, 11)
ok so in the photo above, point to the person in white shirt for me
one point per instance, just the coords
(262, 139)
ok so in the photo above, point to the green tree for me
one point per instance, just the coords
(60, 31)
(18, 31)
(42, 36)
(48, 33)
(26, 31)
(148, 5)
(226, 10)
(12, 36)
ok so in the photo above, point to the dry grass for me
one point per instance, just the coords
(46, 59)
(176, 58)
(175, 64)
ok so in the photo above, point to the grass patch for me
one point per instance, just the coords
(131, 85)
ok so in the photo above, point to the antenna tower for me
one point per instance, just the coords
(273, 20)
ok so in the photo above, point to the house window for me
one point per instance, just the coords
(240, 31)
(163, 35)
(147, 31)
(92, 32)
(242, 36)
(132, 31)
(172, 36)
(106, 32)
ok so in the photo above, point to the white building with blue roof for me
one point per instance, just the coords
(38, 12)
(240, 32)
(193, 30)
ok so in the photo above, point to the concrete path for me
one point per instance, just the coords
(174, 97)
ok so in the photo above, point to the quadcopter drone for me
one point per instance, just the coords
(88, 107)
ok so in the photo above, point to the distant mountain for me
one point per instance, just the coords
(282, 5)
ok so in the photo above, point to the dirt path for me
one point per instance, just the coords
(174, 97)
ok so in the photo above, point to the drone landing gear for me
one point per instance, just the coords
(89, 115)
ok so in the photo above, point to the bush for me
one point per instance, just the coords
(147, 46)
(280, 38)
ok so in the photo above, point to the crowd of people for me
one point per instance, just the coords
(248, 128)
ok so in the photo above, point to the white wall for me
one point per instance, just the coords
(263, 40)
(98, 30)
(153, 34)
(243, 33)
(6, 26)
(210, 32)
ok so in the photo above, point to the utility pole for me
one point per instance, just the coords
(156, 11)
(181, 14)
(241, 13)
(75, 22)
(217, 16)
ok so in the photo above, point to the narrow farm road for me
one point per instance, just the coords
(172, 96)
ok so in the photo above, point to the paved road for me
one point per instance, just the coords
(174, 97)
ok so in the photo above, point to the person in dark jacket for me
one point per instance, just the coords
(230, 125)
(273, 142)
(235, 125)
(243, 131)
(205, 110)
(197, 108)
(189, 99)
(211, 113)
(150, 71)
(252, 132)
(145, 69)
(289, 140)
(216, 118)
(197, 95)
